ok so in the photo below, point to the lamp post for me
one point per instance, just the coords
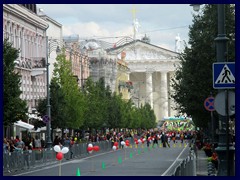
(225, 150)
(49, 49)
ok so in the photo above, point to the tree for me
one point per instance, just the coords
(66, 99)
(115, 112)
(14, 107)
(97, 99)
(71, 103)
(193, 79)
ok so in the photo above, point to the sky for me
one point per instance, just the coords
(110, 22)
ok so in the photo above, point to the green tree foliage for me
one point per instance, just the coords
(148, 118)
(14, 108)
(67, 101)
(126, 110)
(107, 109)
(95, 113)
(115, 112)
(193, 80)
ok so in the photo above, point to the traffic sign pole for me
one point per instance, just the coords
(209, 106)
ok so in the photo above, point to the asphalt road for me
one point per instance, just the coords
(141, 161)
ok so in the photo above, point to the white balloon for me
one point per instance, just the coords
(139, 141)
(114, 148)
(144, 139)
(90, 145)
(65, 150)
(57, 148)
(122, 143)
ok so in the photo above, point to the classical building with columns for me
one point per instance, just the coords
(151, 68)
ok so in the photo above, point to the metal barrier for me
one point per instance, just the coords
(187, 167)
(23, 160)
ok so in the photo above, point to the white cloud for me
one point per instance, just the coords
(112, 20)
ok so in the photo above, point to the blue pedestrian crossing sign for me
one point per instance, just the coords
(224, 75)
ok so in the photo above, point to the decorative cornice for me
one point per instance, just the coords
(26, 15)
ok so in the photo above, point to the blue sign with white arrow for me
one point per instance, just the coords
(224, 75)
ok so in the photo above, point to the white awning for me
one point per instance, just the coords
(24, 125)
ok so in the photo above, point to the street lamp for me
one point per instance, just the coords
(225, 150)
(196, 7)
(50, 45)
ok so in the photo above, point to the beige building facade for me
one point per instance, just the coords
(27, 31)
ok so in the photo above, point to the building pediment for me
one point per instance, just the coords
(138, 51)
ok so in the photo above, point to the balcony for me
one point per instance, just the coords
(39, 66)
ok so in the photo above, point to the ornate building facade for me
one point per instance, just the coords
(151, 68)
(27, 31)
(102, 64)
(123, 85)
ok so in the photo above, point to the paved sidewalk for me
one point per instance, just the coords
(201, 163)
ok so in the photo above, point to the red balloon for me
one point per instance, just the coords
(96, 148)
(127, 144)
(115, 144)
(135, 139)
(136, 142)
(89, 149)
(127, 141)
(59, 156)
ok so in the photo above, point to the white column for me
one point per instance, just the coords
(37, 44)
(149, 89)
(163, 95)
(23, 44)
(128, 79)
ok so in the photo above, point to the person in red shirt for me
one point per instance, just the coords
(215, 159)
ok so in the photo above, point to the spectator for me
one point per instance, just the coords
(56, 141)
(6, 146)
(26, 154)
(215, 159)
(37, 143)
(67, 143)
(42, 143)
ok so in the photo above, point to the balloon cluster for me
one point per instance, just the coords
(92, 148)
(150, 139)
(125, 144)
(139, 141)
(60, 151)
(115, 146)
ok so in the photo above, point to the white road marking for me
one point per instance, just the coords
(177, 159)
(69, 162)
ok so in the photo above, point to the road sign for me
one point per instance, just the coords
(220, 104)
(45, 119)
(224, 75)
(209, 104)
